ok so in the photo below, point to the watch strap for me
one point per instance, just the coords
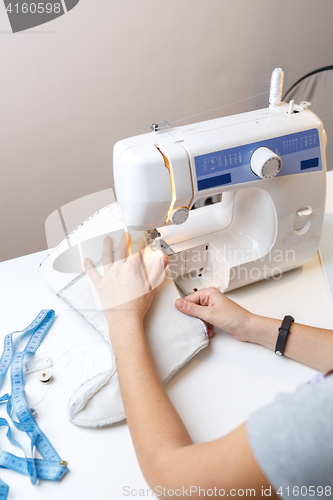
(283, 334)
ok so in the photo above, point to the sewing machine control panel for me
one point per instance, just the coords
(285, 155)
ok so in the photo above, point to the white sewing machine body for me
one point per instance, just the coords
(261, 227)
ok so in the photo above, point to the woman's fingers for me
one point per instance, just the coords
(201, 297)
(137, 245)
(206, 297)
(122, 248)
(157, 271)
(193, 309)
(107, 258)
(210, 330)
(125, 248)
(91, 271)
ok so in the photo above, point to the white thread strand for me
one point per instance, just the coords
(68, 368)
(219, 107)
(44, 396)
(275, 91)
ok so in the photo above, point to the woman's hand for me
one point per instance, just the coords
(126, 290)
(217, 310)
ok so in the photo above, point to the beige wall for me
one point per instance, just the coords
(109, 68)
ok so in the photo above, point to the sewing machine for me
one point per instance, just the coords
(268, 166)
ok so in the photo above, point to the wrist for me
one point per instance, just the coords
(247, 327)
(123, 323)
(263, 331)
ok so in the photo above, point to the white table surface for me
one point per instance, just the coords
(214, 393)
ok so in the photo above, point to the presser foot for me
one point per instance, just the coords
(150, 237)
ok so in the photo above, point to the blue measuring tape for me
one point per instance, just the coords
(51, 466)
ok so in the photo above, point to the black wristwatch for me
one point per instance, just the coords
(283, 334)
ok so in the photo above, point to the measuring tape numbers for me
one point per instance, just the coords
(51, 466)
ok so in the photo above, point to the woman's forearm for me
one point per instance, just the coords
(155, 426)
(165, 452)
(162, 444)
(306, 344)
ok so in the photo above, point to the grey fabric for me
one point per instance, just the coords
(318, 89)
(292, 439)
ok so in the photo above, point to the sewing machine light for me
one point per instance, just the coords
(172, 182)
(177, 214)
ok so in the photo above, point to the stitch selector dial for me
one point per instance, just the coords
(265, 163)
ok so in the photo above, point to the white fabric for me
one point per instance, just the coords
(173, 338)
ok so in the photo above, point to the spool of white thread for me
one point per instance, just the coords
(275, 91)
(45, 377)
